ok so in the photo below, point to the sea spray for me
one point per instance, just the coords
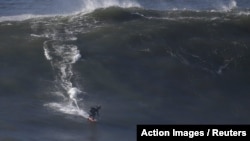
(90, 5)
(230, 6)
(62, 53)
(62, 57)
(73, 95)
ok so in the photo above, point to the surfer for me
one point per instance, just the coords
(94, 111)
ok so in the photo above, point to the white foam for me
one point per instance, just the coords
(62, 57)
(84, 6)
(67, 108)
(231, 5)
(244, 13)
(22, 17)
(68, 53)
(73, 95)
(90, 5)
(73, 92)
(46, 52)
(65, 56)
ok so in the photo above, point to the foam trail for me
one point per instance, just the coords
(62, 56)
(73, 94)
(67, 108)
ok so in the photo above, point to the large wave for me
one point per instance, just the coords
(62, 53)
(61, 50)
(34, 8)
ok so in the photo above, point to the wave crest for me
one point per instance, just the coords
(90, 5)
(230, 6)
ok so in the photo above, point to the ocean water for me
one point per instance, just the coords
(144, 61)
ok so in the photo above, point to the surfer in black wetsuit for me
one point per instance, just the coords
(94, 111)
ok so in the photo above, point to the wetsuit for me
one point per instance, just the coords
(94, 111)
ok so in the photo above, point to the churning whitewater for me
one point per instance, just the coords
(63, 56)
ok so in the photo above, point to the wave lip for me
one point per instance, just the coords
(67, 8)
(91, 5)
(22, 17)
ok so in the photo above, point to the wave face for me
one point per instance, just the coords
(177, 61)
(199, 43)
(62, 53)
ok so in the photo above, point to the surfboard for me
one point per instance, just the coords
(92, 120)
